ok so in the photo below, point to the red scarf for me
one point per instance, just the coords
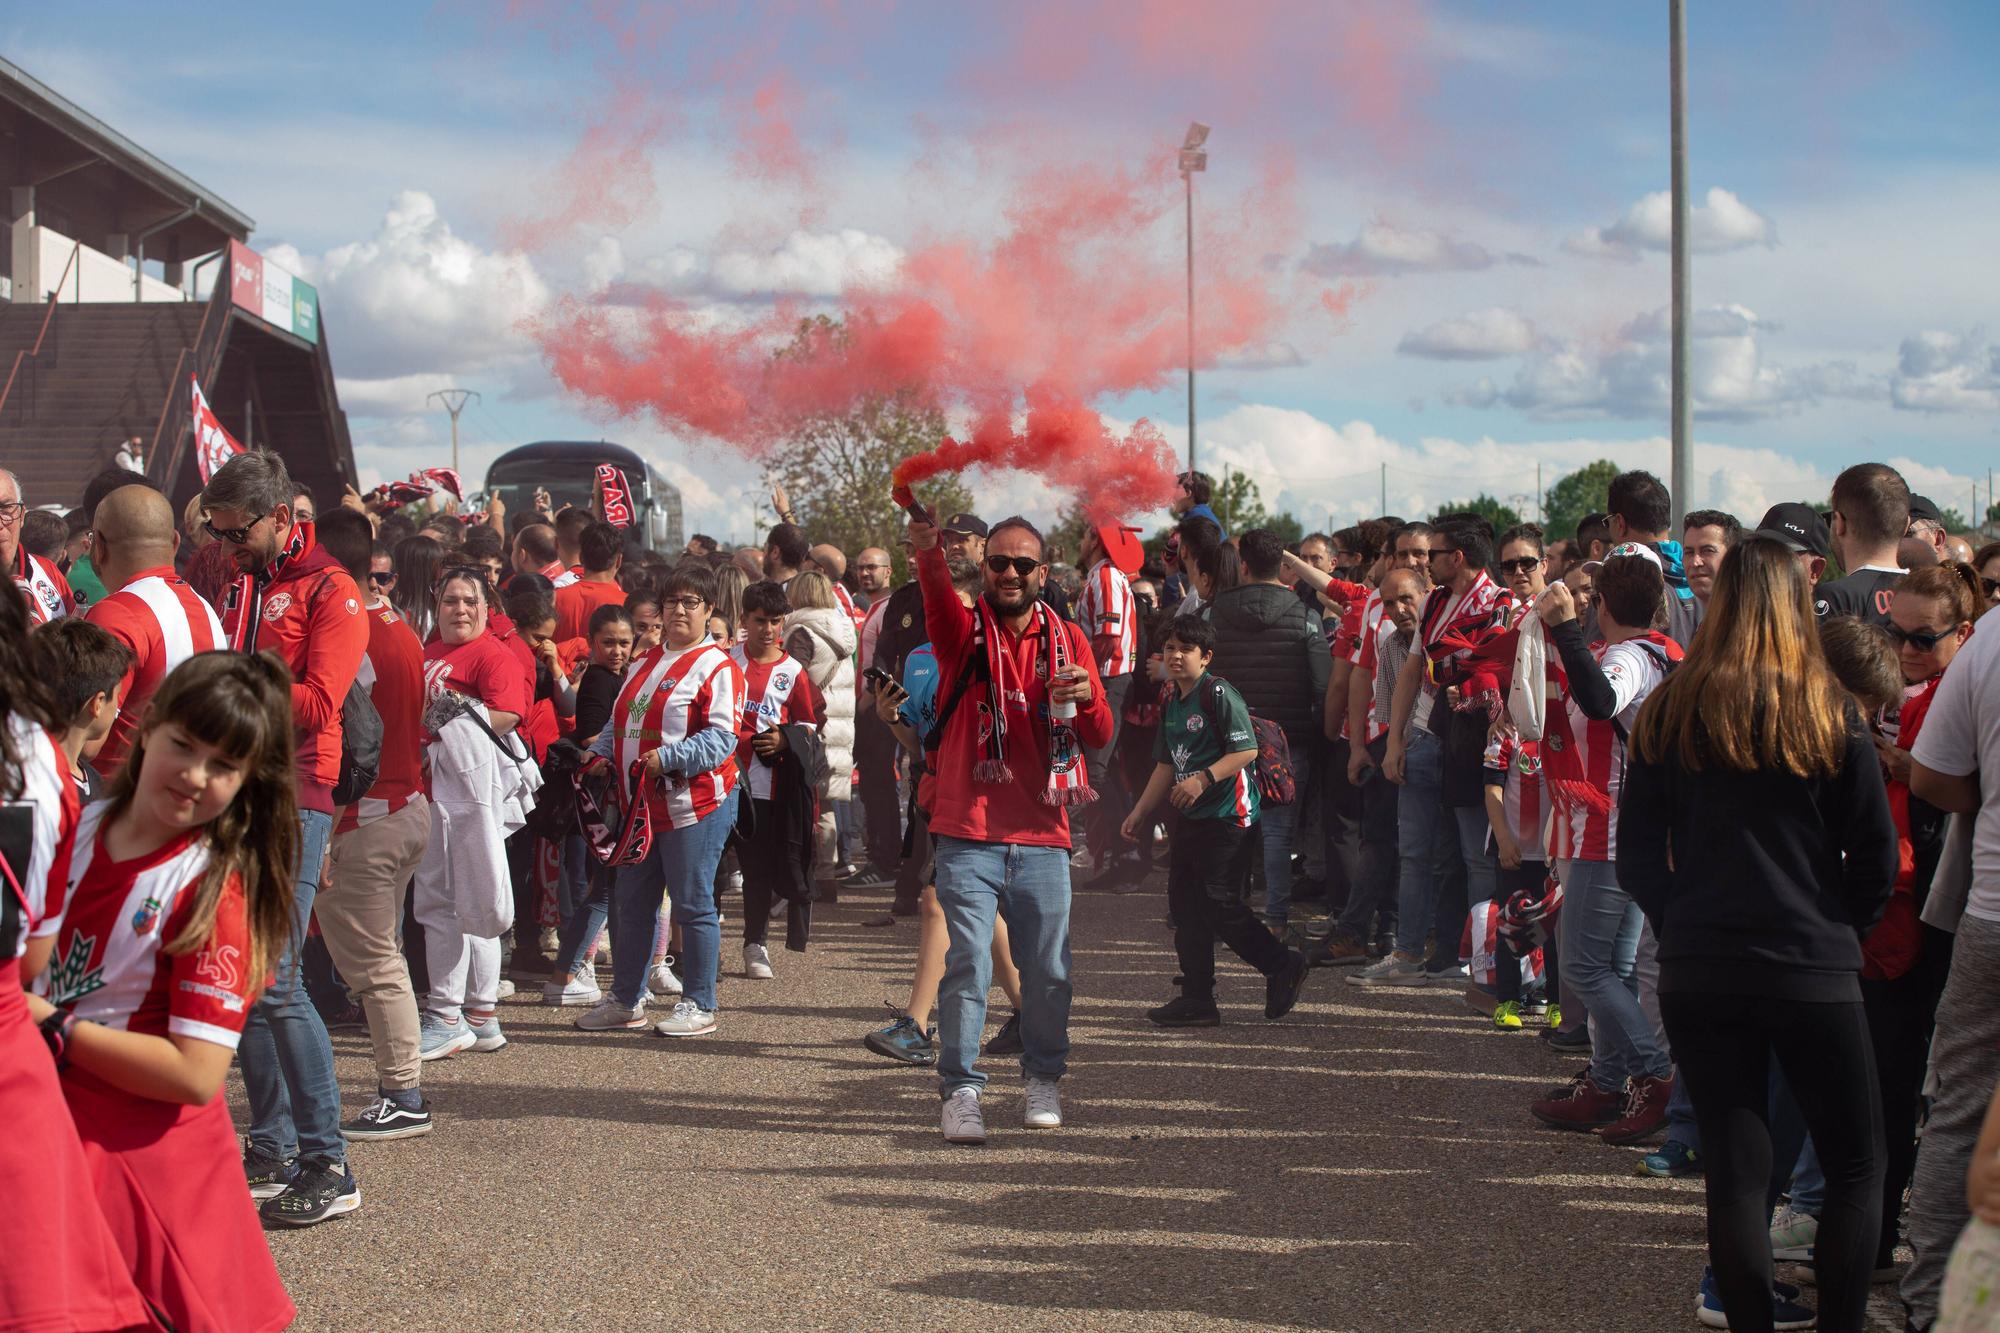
(245, 604)
(1562, 769)
(1067, 782)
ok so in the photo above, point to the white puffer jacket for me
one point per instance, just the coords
(823, 639)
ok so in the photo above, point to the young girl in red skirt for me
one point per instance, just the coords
(60, 1267)
(180, 890)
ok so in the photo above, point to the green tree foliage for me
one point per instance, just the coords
(1497, 512)
(1953, 520)
(1240, 506)
(836, 468)
(1581, 492)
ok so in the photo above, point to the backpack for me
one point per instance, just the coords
(554, 815)
(1668, 664)
(360, 735)
(615, 818)
(1276, 783)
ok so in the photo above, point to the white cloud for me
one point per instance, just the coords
(1721, 224)
(391, 395)
(1947, 372)
(1628, 375)
(818, 265)
(1477, 335)
(417, 298)
(1385, 250)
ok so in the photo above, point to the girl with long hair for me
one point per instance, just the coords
(60, 1266)
(1755, 834)
(727, 614)
(180, 904)
(418, 563)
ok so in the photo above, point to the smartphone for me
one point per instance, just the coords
(879, 678)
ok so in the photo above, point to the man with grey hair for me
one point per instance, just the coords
(294, 599)
(48, 592)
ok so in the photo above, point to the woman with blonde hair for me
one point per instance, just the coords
(1755, 834)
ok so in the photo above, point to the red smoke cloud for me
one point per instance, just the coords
(1020, 335)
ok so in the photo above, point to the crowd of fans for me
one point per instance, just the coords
(1701, 806)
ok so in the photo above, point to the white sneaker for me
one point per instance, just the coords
(549, 940)
(579, 989)
(962, 1122)
(1044, 1105)
(611, 1014)
(756, 962)
(1391, 969)
(506, 991)
(1793, 1234)
(687, 1020)
(661, 979)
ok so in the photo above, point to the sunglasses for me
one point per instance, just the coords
(1443, 550)
(1022, 565)
(381, 579)
(1520, 565)
(236, 535)
(1992, 586)
(1923, 640)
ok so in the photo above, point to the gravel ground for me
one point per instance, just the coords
(1368, 1163)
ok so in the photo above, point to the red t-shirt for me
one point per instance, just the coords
(539, 723)
(577, 603)
(393, 672)
(482, 668)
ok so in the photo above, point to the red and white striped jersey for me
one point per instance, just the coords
(1367, 657)
(1517, 765)
(1111, 619)
(668, 696)
(1371, 620)
(164, 622)
(111, 961)
(47, 790)
(1580, 833)
(774, 693)
(48, 592)
(845, 600)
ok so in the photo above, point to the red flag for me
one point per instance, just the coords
(213, 446)
(441, 476)
(617, 497)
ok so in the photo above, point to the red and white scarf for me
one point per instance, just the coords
(1068, 784)
(244, 606)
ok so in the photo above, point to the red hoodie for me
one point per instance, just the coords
(1000, 812)
(306, 609)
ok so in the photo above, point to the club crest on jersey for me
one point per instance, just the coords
(1195, 722)
(147, 917)
(276, 605)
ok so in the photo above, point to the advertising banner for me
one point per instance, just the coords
(278, 298)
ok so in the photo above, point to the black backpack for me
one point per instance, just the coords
(360, 746)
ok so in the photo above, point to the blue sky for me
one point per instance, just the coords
(1496, 224)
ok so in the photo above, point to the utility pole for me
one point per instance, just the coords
(454, 401)
(1538, 492)
(1683, 462)
(1192, 159)
(1385, 489)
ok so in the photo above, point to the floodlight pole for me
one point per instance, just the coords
(1683, 459)
(1192, 159)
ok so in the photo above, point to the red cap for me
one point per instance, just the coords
(1121, 547)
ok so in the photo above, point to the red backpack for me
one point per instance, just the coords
(1276, 783)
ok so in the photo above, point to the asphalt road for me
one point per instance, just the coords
(1367, 1163)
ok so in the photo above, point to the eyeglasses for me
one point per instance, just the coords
(1992, 587)
(10, 512)
(1022, 565)
(381, 578)
(1923, 640)
(236, 535)
(687, 603)
(1520, 565)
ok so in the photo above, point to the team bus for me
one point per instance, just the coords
(567, 469)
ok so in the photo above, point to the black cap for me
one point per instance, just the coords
(1797, 526)
(1923, 507)
(969, 524)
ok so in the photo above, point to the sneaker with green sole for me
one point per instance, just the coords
(1507, 1015)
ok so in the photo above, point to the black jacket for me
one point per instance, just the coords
(1269, 646)
(1773, 879)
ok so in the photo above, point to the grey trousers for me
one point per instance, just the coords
(1965, 1061)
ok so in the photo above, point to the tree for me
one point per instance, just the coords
(1584, 491)
(836, 468)
(1240, 506)
(1497, 512)
(1953, 521)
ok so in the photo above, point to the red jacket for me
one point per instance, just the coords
(307, 611)
(990, 812)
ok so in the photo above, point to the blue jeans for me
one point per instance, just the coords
(588, 903)
(1280, 824)
(682, 864)
(1681, 1126)
(1600, 940)
(287, 1059)
(1422, 842)
(1030, 887)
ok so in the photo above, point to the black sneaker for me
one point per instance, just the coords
(904, 1041)
(1007, 1041)
(1281, 991)
(1184, 1011)
(321, 1190)
(267, 1176)
(1577, 1039)
(389, 1119)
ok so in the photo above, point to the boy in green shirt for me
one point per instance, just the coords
(1205, 748)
